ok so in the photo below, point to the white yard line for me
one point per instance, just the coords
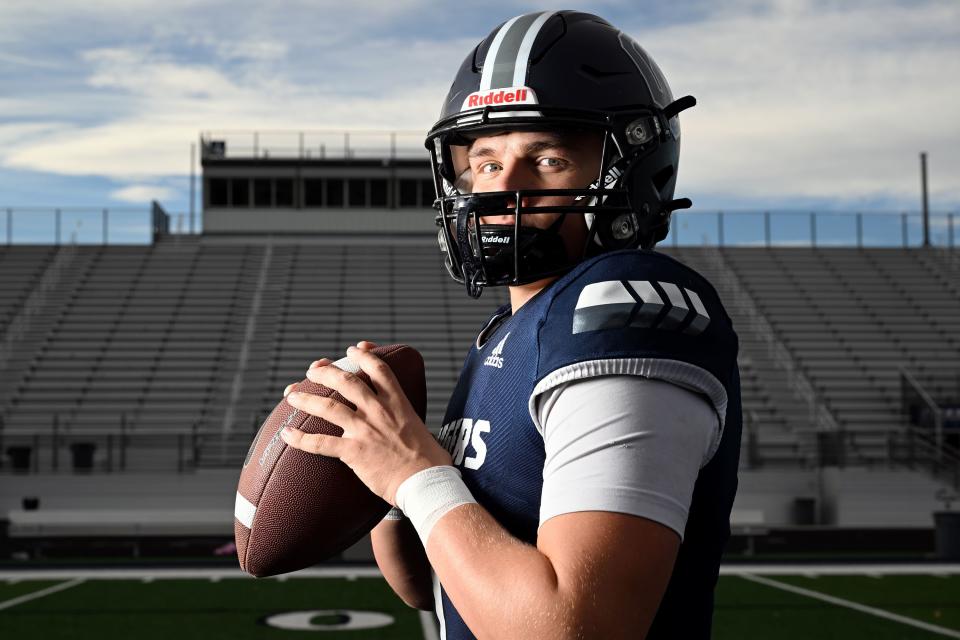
(839, 569)
(182, 574)
(840, 602)
(429, 624)
(353, 572)
(27, 597)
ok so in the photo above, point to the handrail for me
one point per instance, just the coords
(949, 257)
(909, 383)
(944, 460)
(34, 302)
(803, 388)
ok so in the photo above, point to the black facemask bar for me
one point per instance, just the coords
(472, 249)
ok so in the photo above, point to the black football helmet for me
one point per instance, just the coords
(556, 71)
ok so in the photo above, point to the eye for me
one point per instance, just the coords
(552, 162)
(488, 167)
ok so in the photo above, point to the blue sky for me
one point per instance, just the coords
(802, 103)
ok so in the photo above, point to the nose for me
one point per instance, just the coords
(513, 176)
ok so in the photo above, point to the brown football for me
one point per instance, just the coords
(295, 509)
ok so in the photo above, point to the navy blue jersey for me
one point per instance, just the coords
(635, 312)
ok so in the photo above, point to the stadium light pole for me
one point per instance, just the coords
(926, 204)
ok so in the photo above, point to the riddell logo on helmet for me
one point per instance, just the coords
(492, 97)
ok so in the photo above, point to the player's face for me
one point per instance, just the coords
(533, 160)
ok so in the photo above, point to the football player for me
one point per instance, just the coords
(586, 468)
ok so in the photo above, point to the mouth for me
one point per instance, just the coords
(497, 220)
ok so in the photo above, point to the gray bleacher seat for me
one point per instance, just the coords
(154, 334)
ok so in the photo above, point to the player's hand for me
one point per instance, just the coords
(366, 345)
(384, 440)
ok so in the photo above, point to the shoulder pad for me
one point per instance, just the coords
(635, 304)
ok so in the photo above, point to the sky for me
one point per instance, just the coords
(802, 104)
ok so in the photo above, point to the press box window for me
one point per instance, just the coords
(240, 192)
(378, 193)
(217, 192)
(262, 196)
(427, 194)
(335, 192)
(358, 193)
(283, 192)
(408, 193)
(313, 192)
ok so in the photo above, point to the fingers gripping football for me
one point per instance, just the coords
(346, 383)
(384, 439)
(317, 443)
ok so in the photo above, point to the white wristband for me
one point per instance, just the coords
(428, 495)
(394, 514)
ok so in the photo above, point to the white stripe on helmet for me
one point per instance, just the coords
(523, 55)
(488, 62)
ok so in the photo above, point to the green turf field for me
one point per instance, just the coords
(747, 607)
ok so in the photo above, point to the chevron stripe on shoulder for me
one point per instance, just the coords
(642, 304)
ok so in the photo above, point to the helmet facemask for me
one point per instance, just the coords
(479, 255)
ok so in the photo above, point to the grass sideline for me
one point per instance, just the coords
(147, 604)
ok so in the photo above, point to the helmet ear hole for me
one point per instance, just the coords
(616, 231)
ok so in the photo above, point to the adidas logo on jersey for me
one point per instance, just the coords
(495, 359)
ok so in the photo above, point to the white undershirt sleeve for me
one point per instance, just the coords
(624, 443)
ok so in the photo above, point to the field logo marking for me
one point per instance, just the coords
(840, 602)
(39, 594)
(339, 620)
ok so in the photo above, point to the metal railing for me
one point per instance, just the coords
(914, 448)
(89, 225)
(810, 229)
(920, 409)
(122, 449)
(102, 451)
(881, 448)
(321, 144)
(819, 414)
(34, 302)
(125, 225)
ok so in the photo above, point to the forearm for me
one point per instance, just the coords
(503, 588)
(400, 556)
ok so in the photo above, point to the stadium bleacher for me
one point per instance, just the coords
(20, 269)
(853, 318)
(155, 334)
(167, 357)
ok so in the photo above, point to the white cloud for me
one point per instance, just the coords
(140, 193)
(162, 105)
(25, 132)
(813, 99)
(144, 75)
(796, 98)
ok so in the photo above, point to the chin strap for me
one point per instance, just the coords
(470, 267)
(473, 284)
